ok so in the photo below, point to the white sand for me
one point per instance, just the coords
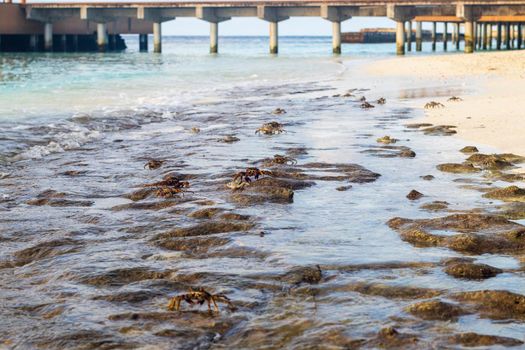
(492, 112)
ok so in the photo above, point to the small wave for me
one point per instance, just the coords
(64, 141)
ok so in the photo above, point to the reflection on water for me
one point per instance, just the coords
(89, 258)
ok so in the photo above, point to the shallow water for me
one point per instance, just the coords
(105, 281)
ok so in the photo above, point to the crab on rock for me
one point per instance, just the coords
(270, 128)
(200, 296)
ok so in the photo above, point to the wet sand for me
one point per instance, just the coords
(491, 112)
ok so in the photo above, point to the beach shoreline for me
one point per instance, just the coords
(491, 92)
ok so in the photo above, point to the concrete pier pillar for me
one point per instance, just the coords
(143, 42)
(274, 37)
(457, 34)
(419, 36)
(469, 37)
(214, 37)
(113, 42)
(157, 37)
(480, 35)
(400, 38)
(336, 37)
(48, 36)
(523, 33)
(74, 45)
(33, 42)
(484, 36)
(409, 35)
(513, 36)
(507, 36)
(445, 35)
(434, 26)
(498, 38)
(102, 38)
(63, 42)
(520, 36)
(489, 35)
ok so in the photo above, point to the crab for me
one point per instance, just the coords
(169, 192)
(243, 178)
(200, 296)
(270, 128)
(455, 99)
(386, 140)
(252, 172)
(280, 159)
(366, 105)
(237, 184)
(434, 104)
(381, 101)
(154, 164)
(169, 181)
(279, 111)
(229, 139)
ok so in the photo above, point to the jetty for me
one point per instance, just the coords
(51, 25)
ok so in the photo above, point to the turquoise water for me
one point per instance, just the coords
(54, 85)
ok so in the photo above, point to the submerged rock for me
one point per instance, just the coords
(418, 125)
(128, 297)
(303, 274)
(197, 245)
(507, 194)
(490, 161)
(495, 304)
(435, 310)
(477, 340)
(391, 152)
(206, 213)
(435, 206)
(140, 194)
(292, 184)
(469, 149)
(390, 291)
(476, 233)
(440, 130)
(468, 270)
(512, 211)
(458, 168)
(390, 338)
(263, 194)
(119, 277)
(46, 250)
(207, 228)
(59, 202)
(414, 195)
(507, 177)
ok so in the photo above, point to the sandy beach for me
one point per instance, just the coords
(491, 113)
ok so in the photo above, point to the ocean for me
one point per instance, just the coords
(90, 252)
